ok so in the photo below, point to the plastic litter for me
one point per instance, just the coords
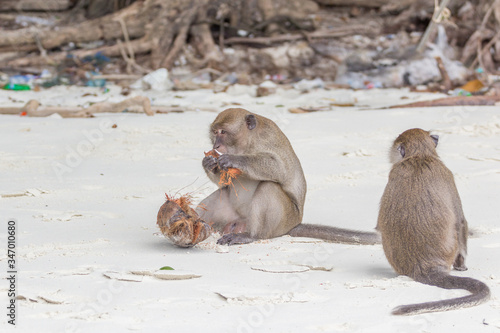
(16, 86)
(157, 80)
(24, 20)
(91, 82)
(306, 85)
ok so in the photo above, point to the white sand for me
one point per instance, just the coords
(88, 219)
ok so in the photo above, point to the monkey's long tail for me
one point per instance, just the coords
(336, 235)
(480, 294)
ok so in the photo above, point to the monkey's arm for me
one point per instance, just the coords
(261, 167)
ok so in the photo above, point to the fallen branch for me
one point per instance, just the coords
(33, 109)
(475, 41)
(134, 104)
(180, 109)
(436, 18)
(319, 52)
(34, 5)
(340, 32)
(452, 101)
(106, 28)
(482, 51)
(444, 74)
(117, 77)
(139, 46)
(161, 29)
(172, 50)
(360, 3)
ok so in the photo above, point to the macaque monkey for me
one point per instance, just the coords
(267, 199)
(423, 228)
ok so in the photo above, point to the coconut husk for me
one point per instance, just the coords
(226, 176)
(180, 223)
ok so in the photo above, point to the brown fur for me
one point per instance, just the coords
(423, 228)
(267, 199)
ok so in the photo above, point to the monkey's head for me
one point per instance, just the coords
(232, 131)
(413, 142)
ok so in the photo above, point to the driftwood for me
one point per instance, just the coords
(484, 43)
(33, 109)
(134, 104)
(142, 46)
(34, 5)
(157, 28)
(452, 101)
(446, 83)
(107, 28)
(334, 33)
(436, 18)
(360, 3)
(161, 27)
(138, 46)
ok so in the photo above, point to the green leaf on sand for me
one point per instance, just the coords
(166, 268)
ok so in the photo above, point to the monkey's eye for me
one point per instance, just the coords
(222, 132)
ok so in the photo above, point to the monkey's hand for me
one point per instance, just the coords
(227, 161)
(210, 164)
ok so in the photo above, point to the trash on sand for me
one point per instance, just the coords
(157, 80)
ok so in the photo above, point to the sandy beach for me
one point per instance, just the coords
(84, 195)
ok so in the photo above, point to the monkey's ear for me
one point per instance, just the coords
(251, 121)
(435, 138)
(401, 150)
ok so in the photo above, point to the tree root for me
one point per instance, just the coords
(161, 28)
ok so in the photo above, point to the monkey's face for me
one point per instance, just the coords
(222, 140)
(232, 131)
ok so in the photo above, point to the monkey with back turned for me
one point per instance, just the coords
(423, 228)
(268, 197)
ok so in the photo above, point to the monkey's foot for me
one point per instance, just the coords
(461, 268)
(234, 239)
(180, 223)
(459, 264)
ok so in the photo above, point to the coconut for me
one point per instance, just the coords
(180, 223)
